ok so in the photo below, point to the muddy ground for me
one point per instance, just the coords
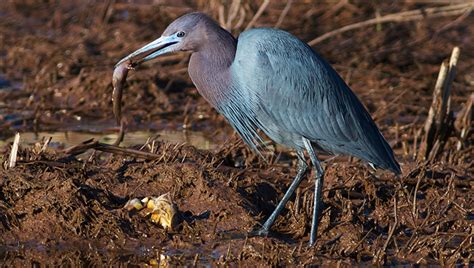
(56, 62)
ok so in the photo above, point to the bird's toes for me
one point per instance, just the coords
(259, 232)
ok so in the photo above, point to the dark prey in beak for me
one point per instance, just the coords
(160, 46)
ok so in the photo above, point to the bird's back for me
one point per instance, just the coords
(294, 93)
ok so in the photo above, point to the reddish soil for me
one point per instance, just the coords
(56, 62)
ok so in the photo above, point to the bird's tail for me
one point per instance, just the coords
(387, 158)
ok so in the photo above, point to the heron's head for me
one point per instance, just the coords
(186, 33)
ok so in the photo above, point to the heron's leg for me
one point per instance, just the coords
(318, 186)
(302, 167)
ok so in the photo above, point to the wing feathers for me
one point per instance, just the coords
(303, 95)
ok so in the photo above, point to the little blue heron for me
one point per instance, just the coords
(269, 80)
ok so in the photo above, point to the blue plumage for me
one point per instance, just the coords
(298, 94)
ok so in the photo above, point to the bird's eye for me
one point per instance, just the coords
(180, 34)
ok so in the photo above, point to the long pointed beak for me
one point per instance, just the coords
(162, 45)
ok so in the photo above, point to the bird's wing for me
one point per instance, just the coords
(304, 95)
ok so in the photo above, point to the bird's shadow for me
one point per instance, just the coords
(259, 199)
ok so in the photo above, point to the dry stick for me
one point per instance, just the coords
(392, 227)
(147, 143)
(221, 16)
(91, 144)
(14, 151)
(361, 241)
(437, 1)
(45, 144)
(258, 14)
(125, 151)
(430, 122)
(443, 117)
(436, 123)
(233, 10)
(393, 102)
(108, 11)
(334, 8)
(467, 239)
(196, 259)
(241, 19)
(414, 210)
(418, 40)
(417, 14)
(283, 14)
(446, 104)
(416, 134)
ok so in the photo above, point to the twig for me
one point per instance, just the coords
(392, 227)
(220, 12)
(45, 145)
(92, 144)
(337, 7)
(414, 210)
(108, 11)
(417, 14)
(444, 117)
(257, 15)
(283, 14)
(430, 120)
(439, 121)
(421, 39)
(436, 1)
(14, 151)
(233, 10)
(196, 259)
(360, 241)
(377, 114)
(241, 19)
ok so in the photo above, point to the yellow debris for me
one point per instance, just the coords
(154, 263)
(162, 209)
(134, 204)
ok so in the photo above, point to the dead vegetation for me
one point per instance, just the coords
(65, 207)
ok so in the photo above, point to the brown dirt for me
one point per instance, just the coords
(62, 210)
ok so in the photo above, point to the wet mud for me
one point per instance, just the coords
(56, 64)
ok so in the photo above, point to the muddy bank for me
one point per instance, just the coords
(55, 204)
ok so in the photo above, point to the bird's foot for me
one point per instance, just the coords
(260, 232)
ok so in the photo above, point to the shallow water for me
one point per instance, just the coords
(67, 255)
(62, 139)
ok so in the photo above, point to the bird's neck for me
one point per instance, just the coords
(209, 66)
